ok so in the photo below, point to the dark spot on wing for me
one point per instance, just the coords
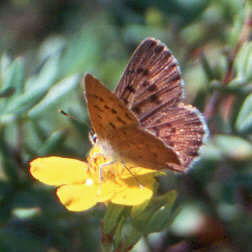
(106, 106)
(112, 125)
(99, 109)
(145, 72)
(125, 101)
(131, 71)
(168, 125)
(101, 99)
(195, 123)
(124, 132)
(152, 43)
(154, 99)
(121, 120)
(146, 83)
(99, 116)
(152, 87)
(140, 70)
(196, 142)
(172, 67)
(159, 49)
(173, 130)
(167, 55)
(128, 116)
(113, 111)
(131, 89)
(137, 110)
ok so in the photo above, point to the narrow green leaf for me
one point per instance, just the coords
(55, 93)
(14, 76)
(244, 120)
(162, 217)
(243, 62)
(53, 143)
(235, 33)
(119, 231)
(151, 219)
(131, 238)
(24, 102)
(207, 68)
(112, 217)
(5, 62)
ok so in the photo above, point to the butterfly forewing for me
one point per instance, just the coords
(151, 80)
(116, 125)
(106, 112)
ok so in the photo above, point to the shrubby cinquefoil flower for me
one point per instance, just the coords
(80, 185)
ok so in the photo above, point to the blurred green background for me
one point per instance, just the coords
(46, 47)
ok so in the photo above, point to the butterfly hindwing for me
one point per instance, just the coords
(183, 128)
(151, 80)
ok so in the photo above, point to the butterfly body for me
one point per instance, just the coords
(144, 121)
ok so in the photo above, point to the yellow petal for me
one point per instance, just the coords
(135, 192)
(78, 197)
(136, 171)
(58, 170)
(107, 190)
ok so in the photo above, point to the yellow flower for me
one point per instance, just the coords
(81, 185)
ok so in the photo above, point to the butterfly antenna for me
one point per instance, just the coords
(74, 119)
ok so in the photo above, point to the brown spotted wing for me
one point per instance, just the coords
(150, 93)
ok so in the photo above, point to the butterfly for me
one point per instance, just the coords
(144, 121)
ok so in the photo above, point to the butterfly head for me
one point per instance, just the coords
(92, 137)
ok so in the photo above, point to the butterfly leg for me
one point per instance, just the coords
(102, 166)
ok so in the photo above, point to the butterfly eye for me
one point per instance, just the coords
(92, 136)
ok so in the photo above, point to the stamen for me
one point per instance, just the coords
(103, 165)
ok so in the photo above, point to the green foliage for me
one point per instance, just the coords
(44, 54)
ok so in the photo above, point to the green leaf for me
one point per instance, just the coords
(81, 53)
(243, 62)
(244, 120)
(239, 18)
(55, 93)
(112, 217)
(24, 102)
(233, 147)
(5, 62)
(14, 76)
(156, 216)
(53, 143)
(131, 238)
(207, 68)
(119, 231)
(35, 89)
